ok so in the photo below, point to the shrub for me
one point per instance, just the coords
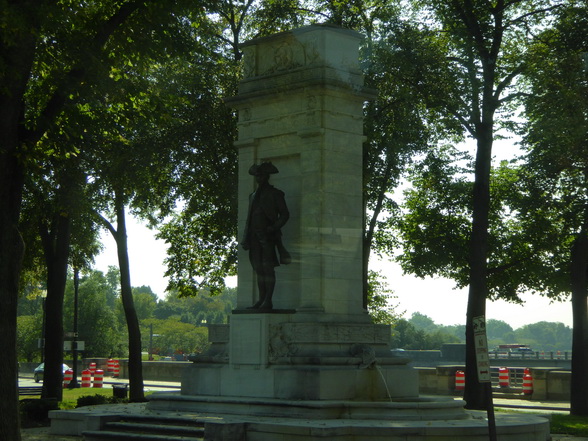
(35, 411)
(91, 400)
(95, 400)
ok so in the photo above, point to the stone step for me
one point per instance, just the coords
(106, 435)
(182, 430)
(147, 428)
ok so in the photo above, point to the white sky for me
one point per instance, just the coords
(435, 298)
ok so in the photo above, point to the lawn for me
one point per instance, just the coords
(70, 396)
(569, 425)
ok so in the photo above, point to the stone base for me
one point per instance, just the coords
(431, 419)
(509, 428)
(303, 382)
(278, 356)
(426, 409)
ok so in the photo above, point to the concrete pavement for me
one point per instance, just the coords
(42, 433)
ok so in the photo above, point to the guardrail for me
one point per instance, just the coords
(30, 390)
(539, 355)
(515, 376)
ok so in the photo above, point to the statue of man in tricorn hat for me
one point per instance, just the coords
(267, 214)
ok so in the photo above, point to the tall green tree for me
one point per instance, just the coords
(54, 56)
(31, 30)
(51, 212)
(485, 42)
(398, 124)
(554, 179)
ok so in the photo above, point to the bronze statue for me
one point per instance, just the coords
(267, 214)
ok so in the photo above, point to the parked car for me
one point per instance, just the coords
(39, 370)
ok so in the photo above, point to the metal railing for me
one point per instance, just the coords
(538, 355)
(515, 376)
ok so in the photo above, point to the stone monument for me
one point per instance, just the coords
(314, 366)
(300, 107)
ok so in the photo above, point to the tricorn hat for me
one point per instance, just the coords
(265, 168)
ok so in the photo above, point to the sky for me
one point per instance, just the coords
(432, 297)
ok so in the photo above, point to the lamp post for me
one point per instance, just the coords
(42, 341)
(74, 345)
(151, 335)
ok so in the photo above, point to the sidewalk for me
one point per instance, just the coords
(536, 407)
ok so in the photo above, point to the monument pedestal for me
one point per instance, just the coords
(275, 356)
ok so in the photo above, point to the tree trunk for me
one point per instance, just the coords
(136, 393)
(474, 393)
(18, 57)
(56, 249)
(11, 253)
(579, 282)
(368, 237)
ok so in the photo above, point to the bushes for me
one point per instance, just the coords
(35, 411)
(94, 400)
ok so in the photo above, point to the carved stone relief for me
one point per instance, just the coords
(280, 345)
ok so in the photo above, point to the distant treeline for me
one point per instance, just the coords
(421, 332)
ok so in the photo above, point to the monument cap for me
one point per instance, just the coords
(265, 168)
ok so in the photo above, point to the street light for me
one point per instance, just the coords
(151, 335)
(74, 382)
(43, 296)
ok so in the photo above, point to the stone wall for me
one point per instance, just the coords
(549, 384)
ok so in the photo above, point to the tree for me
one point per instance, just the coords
(145, 301)
(556, 173)
(485, 41)
(406, 336)
(378, 300)
(28, 336)
(398, 124)
(497, 329)
(203, 308)
(97, 323)
(56, 55)
(25, 117)
(421, 321)
(175, 337)
(546, 336)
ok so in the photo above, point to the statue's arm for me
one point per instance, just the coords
(282, 209)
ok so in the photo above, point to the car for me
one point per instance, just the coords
(523, 352)
(39, 370)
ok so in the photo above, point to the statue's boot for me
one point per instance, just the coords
(267, 301)
(257, 304)
(266, 305)
(262, 295)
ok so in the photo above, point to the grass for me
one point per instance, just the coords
(70, 396)
(569, 425)
(561, 424)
